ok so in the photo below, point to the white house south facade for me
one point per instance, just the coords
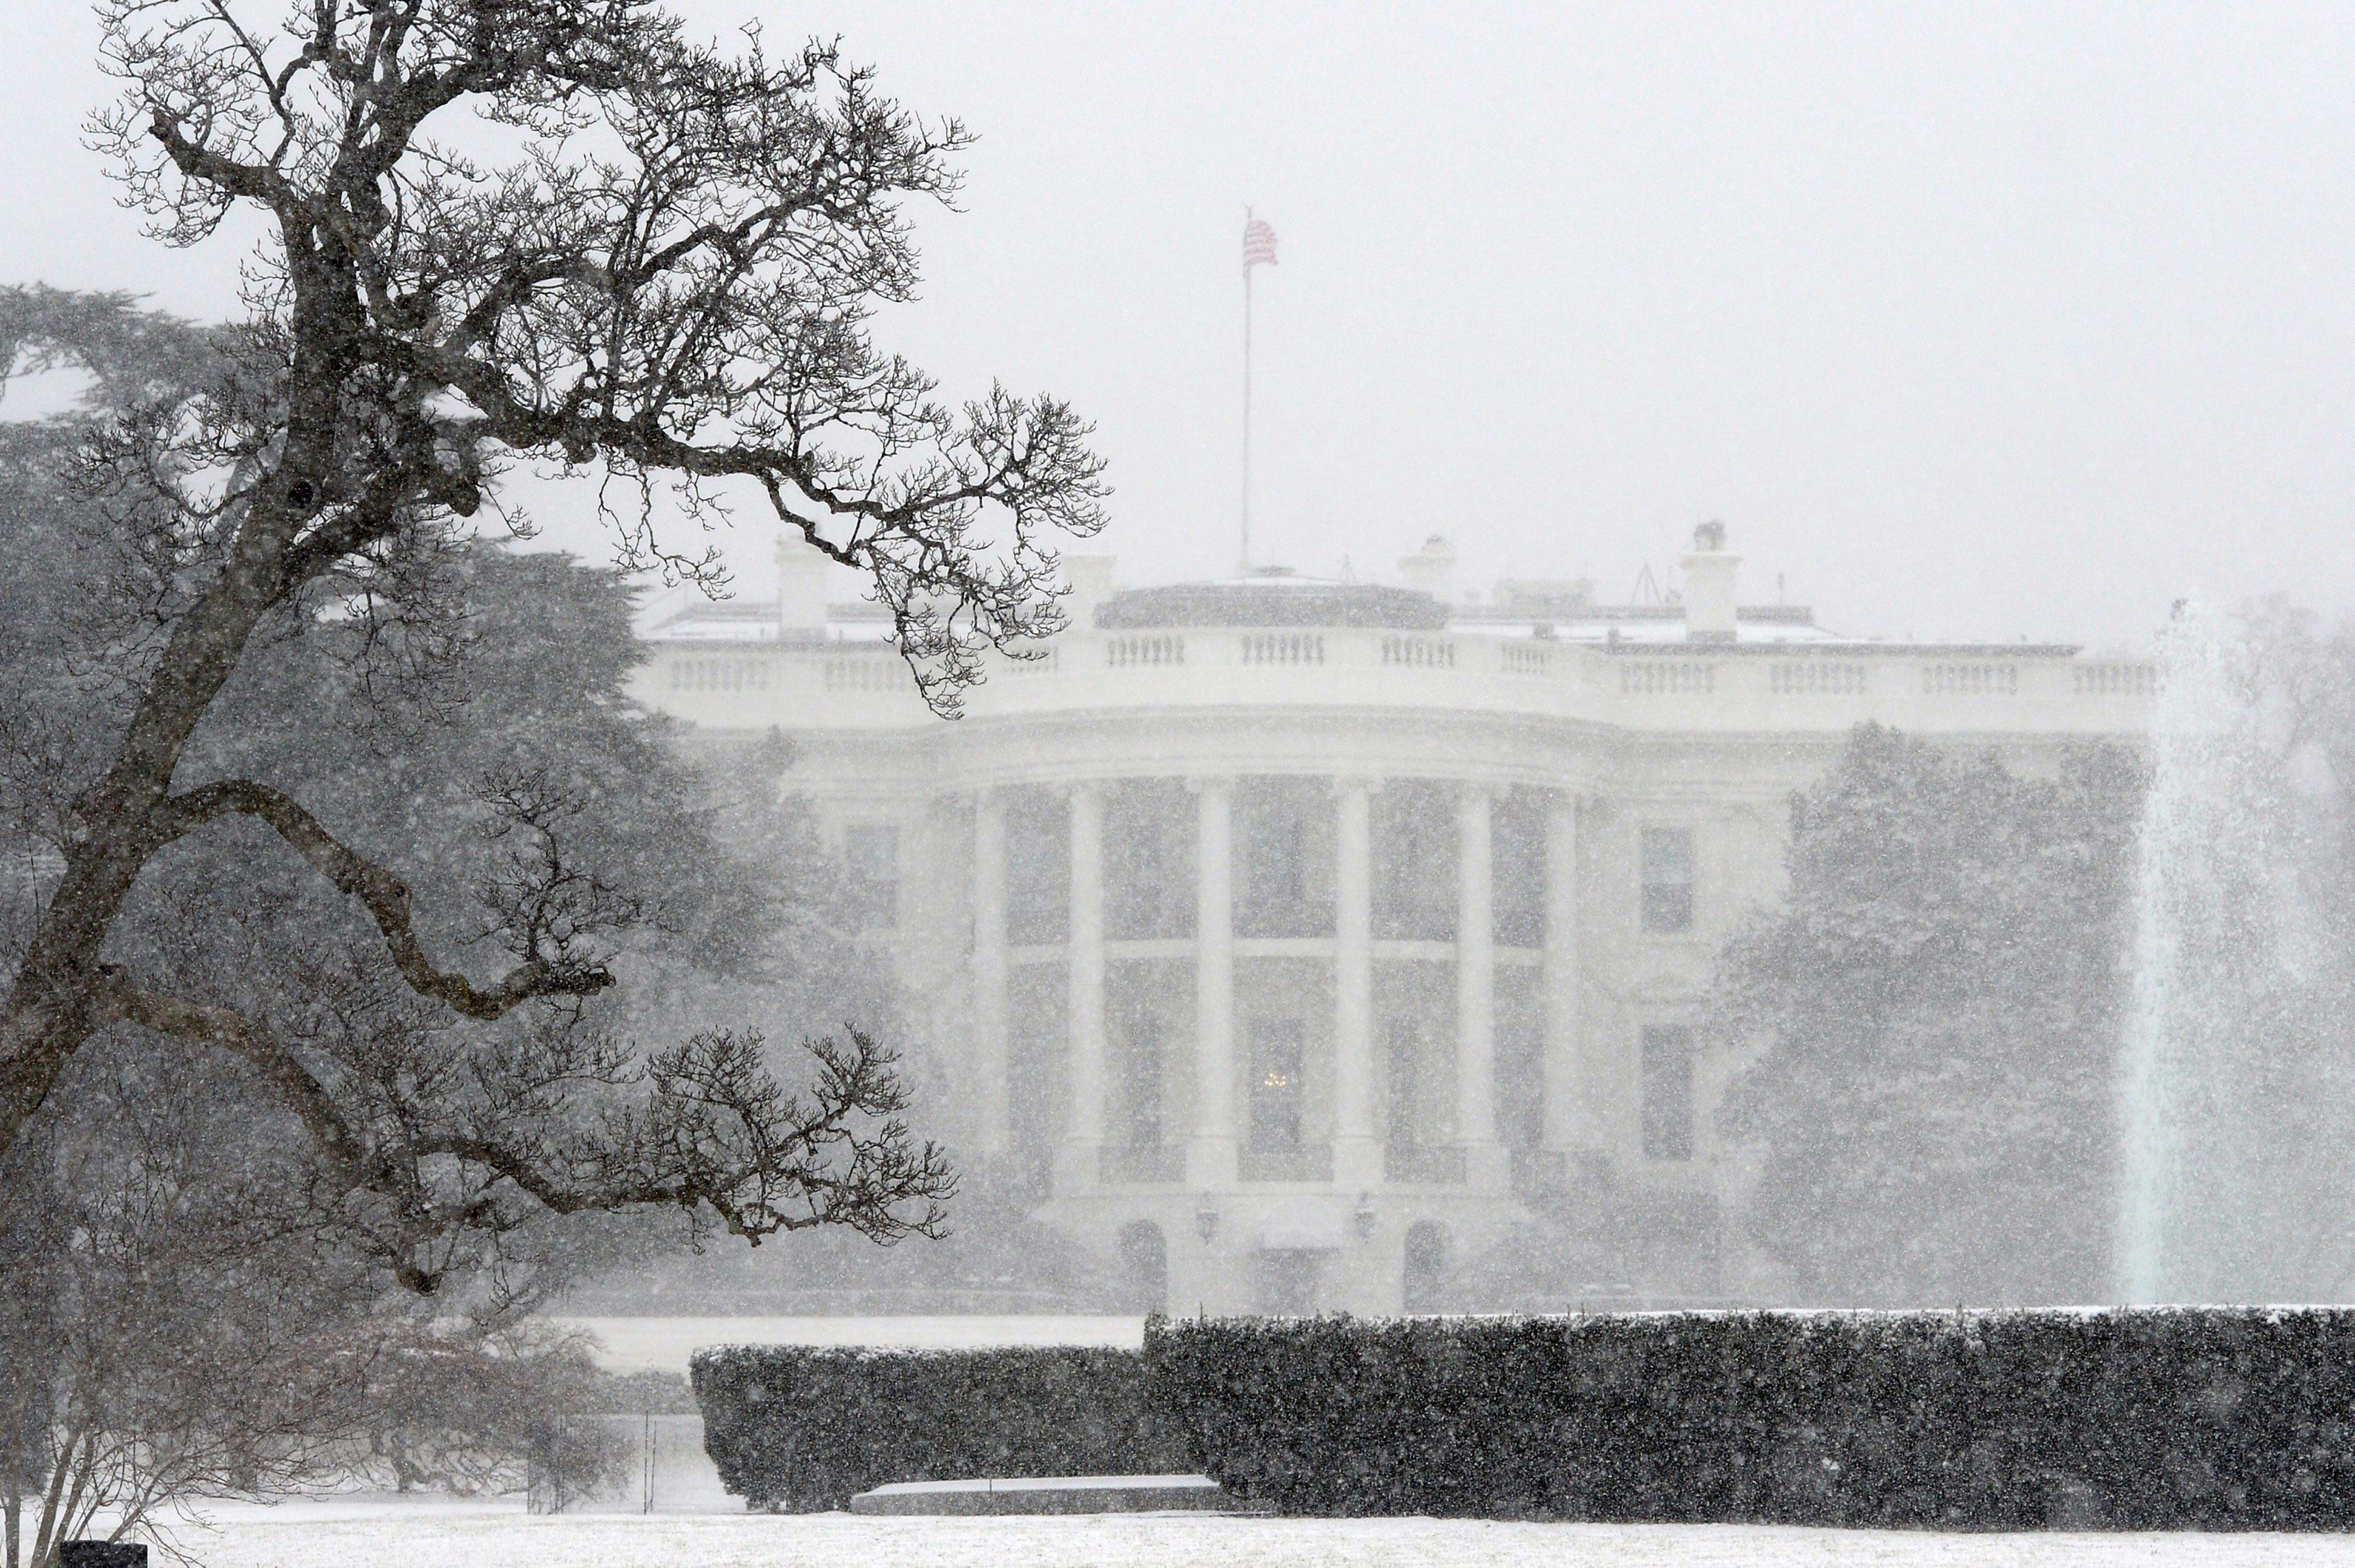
(1292, 939)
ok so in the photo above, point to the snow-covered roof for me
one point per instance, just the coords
(1776, 633)
(1270, 596)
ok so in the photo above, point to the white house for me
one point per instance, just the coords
(1295, 936)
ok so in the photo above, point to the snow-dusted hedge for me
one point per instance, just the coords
(2217, 1419)
(798, 1430)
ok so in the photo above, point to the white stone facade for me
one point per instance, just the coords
(1323, 929)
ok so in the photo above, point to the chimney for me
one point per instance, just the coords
(1709, 586)
(1432, 568)
(801, 586)
(1091, 579)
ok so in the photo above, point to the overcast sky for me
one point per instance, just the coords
(1970, 322)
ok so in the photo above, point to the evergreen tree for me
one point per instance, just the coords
(1936, 1006)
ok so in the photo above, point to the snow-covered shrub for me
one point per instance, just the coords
(795, 1429)
(2160, 1419)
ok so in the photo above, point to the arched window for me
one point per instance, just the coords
(1425, 1274)
(1145, 1267)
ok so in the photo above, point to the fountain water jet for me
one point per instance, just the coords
(2213, 974)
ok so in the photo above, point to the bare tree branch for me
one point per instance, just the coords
(553, 973)
(226, 1030)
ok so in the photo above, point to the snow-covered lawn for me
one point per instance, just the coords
(389, 1531)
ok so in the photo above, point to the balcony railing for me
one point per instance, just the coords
(1424, 1165)
(1130, 1164)
(1304, 1162)
(752, 681)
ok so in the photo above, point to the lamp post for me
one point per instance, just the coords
(1362, 1217)
(1206, 1222)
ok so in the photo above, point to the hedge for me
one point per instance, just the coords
(798, 1430)
(2158, 1419)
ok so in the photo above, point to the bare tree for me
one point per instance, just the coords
(663, 269)
(166, 1342)
(175, 1335)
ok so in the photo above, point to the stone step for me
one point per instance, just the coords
(1048, 1494)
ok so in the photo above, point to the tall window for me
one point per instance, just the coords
(1404, 1059)
(1668, 1092)
(1275, 858)
(1517, 853)
(1038, 1051)
(1038, 868)
(1667, 878)
(1415, 862)
(1521, 1057)
(1138, 1079)
(1149, 860)
(1276, 1087)
(1283, 858)
(871, 857)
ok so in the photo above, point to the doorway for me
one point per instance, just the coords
(1426, 1272)
(1288, 1281)
(1145, 1267)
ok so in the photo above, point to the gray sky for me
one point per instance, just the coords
(1971, 320)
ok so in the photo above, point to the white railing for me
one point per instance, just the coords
(708, 672)
(2115, 679)
(866, 672)
(1283, 647)
(1048, 661)
(866, 686)
(1819, 678)
(1667, 678)
(1525, 658)
(1419, 652)
(1970, 680)
(1145, 648)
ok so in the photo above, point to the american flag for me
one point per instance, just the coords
(1259, 243)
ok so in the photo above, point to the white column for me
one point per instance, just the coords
(1084, 1133)
(993, 1067)
(1210, 1153)
(1567, 1117)
(1476, 995)
(1357, 1152)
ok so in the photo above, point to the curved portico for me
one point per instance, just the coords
(1343, 968)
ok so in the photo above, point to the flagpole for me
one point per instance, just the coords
(1243, 568)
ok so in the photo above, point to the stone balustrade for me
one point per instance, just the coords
(845, 685)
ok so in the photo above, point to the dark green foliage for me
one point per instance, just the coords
(798, 1430)
(102, 1554)
(2217, 1419)
(2137, 1420)
(1938, 1004)
(528, 677)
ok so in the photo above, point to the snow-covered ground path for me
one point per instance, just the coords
(331, 1535)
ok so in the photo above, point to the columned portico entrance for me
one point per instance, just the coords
(1290, 1077)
